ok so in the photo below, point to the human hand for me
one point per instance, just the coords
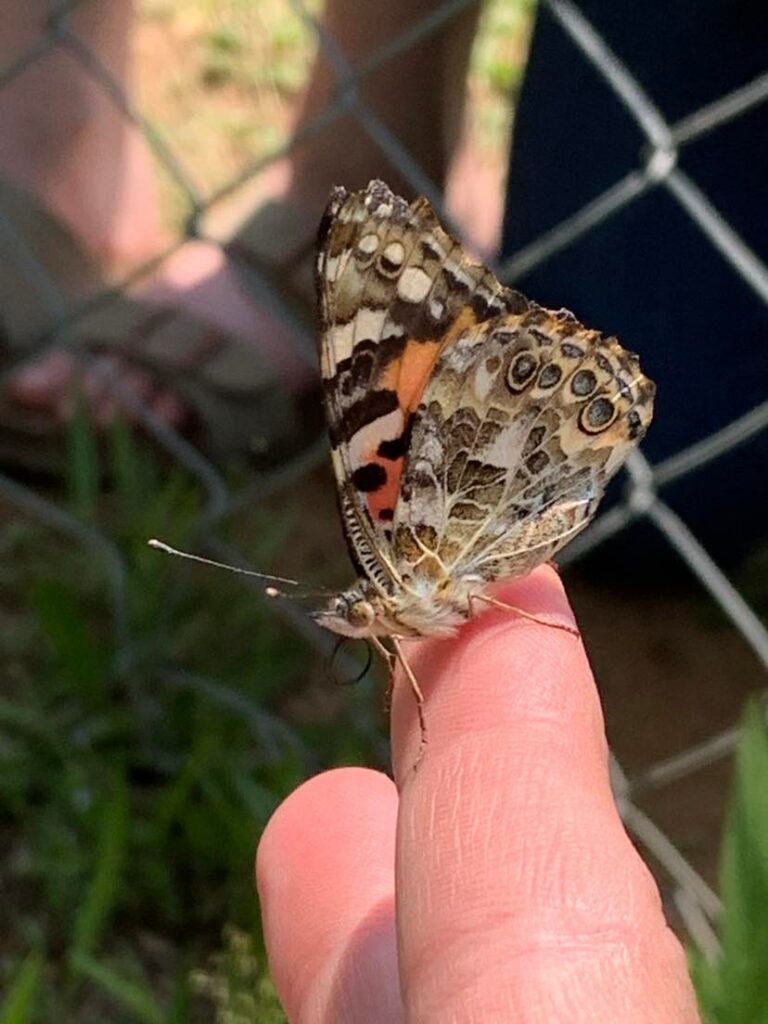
(495, 883)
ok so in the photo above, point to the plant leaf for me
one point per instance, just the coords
(735, 991)
(79, 653)
(102, 893)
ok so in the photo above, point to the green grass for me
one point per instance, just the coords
(139, 763)
(734, 988)
(236, 984)
(22, 994)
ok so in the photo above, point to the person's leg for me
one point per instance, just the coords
(418, 95)
(63, 139)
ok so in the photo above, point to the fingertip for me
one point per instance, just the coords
(540, 593)
(325, 812)
(325, 877)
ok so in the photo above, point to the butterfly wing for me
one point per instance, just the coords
(395, 290)
(521, 427)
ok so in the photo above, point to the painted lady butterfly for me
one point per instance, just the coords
(472, 431)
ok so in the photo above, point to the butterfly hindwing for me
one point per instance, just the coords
(518, 432)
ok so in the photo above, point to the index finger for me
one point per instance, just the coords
(519, 894)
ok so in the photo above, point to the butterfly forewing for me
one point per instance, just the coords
(395, 290)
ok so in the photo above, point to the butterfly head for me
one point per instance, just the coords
(353, 613)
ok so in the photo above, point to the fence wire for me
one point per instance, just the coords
(657, 168)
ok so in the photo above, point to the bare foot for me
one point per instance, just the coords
(197, 280)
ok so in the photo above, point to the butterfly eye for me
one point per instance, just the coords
(360, 613)
(597, 415)
(521, 371)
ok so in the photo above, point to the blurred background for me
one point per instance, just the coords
(163, 168)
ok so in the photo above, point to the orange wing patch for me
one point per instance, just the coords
(408, 378)
(379, 460)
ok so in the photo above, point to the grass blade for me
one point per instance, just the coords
(102, 893)
(78, 651)
(83, 472)
(734, 990)
(19, 1003)
(131, 995)
(126, 469)
(744, 880)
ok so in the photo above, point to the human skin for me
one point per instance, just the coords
(495, 883)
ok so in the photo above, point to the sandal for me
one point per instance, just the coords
(236, 403)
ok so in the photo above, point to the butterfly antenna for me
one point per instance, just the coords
(270, 591)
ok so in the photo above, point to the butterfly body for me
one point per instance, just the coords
(472, 431)
(417, 608)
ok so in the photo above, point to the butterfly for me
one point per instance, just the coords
(472, 431)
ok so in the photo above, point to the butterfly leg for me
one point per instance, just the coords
(417, 694)
(386, 654)
(573, 630)
(390, 660)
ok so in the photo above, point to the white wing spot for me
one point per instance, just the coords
(369, 323)
(461, 355)
(368, 244)
(414, 284)
(385, 428)
(483, 380)
(329, 267)
(342, 339)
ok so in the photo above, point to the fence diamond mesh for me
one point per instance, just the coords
(657, 167)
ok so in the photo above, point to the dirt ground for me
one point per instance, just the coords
(672, 673)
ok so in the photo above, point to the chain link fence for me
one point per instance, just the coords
(657, 167)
